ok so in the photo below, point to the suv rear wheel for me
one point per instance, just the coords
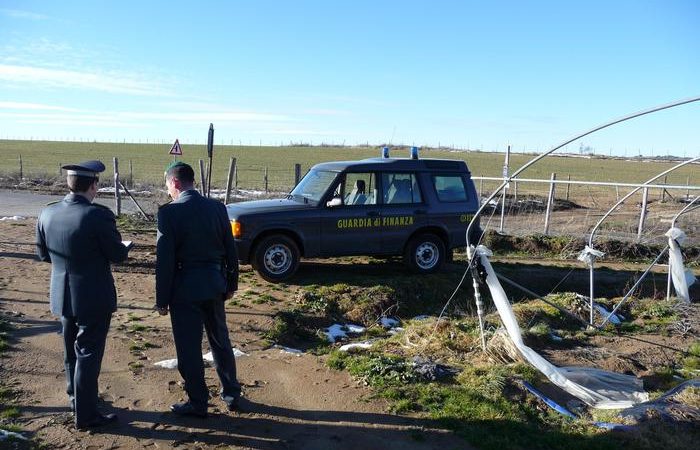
(276, 258)
(425, 253)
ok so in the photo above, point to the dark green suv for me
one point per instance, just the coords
(410, 207)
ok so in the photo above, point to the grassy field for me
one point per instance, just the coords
(41, 158)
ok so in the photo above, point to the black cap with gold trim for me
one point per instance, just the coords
(85, 168)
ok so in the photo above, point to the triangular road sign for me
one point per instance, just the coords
(175, 149)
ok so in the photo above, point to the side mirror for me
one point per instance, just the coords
(335, 201)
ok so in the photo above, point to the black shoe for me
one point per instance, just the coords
(99, 421)
(71, 404)
(231, 402)
(186, 409)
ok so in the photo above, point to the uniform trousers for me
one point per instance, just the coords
(188, 319)
(83, 348)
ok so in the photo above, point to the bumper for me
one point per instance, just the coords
(243, 250)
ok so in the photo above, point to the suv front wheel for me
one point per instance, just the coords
(425, 253)
(276, 258)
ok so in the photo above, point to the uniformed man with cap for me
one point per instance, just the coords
(80, 240)
(196, 270)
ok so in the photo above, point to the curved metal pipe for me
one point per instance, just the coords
(568, 141)
(686, 209)
(633, 191)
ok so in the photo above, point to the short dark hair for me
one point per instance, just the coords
(182, 171)
(77, 183)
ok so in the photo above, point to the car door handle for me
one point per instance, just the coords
(420, 211)
(373, 213)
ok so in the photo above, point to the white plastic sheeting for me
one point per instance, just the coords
(589, 255)
(595, 387)
(681, 278)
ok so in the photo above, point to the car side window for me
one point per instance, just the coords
(400, 188)
(450, 188)
(359, 189)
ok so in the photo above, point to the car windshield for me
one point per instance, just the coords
(314, 185)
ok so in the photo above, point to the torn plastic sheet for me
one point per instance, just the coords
(666, 407)
(589, 255)
(356, 346)
(595, 387)
(283, 349)
(338, 331)
(4, 434)
(207, 357)
(679, 275)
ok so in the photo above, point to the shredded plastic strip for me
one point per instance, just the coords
(595, 387)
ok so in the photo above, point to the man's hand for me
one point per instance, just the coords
(229, 295)
(162, 311)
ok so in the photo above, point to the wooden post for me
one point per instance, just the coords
(131, 174)
(60, 170)
(550, 200)
(266, 179)
(202, 184)
(643, 213)
(297, 173)
(687, 190)
(235, 177)
(617, 193)
(231, 169)
(515, 192)
(481, 189)
(568, 185)
(663, 191)
(117, 191)
(21, 168)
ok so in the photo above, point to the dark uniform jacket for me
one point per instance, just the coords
(80, 239)
(196, 253)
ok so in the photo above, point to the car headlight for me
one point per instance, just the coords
(236, 229)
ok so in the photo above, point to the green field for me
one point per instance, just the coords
(43, 158)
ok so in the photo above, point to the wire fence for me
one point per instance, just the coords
(556, 206)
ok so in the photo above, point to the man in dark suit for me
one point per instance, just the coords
(196, 270)
(80, 240)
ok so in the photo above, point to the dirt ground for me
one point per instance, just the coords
(290, 401)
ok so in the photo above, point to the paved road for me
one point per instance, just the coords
(30, 204)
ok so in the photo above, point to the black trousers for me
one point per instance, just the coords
(188, 319)
(83, 348)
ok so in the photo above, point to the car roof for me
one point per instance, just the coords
(395, 164)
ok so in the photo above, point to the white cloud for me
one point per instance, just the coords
(112, 83)
(34, 106)
(19, 14)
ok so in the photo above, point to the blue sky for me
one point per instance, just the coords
(468, 74)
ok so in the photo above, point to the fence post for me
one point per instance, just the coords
(231, 168)
(687, 190)
(266, 179)
(297, 173)
(481, 189)
(60, 170)
(21, 168)
(503, 209)
(131, 174)
(663, 191)
(117, 192)
(643, 213)
(617, 193)
(202, 184)
(550, 199)
(568, 185)
(235, 177)
(515, 192)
